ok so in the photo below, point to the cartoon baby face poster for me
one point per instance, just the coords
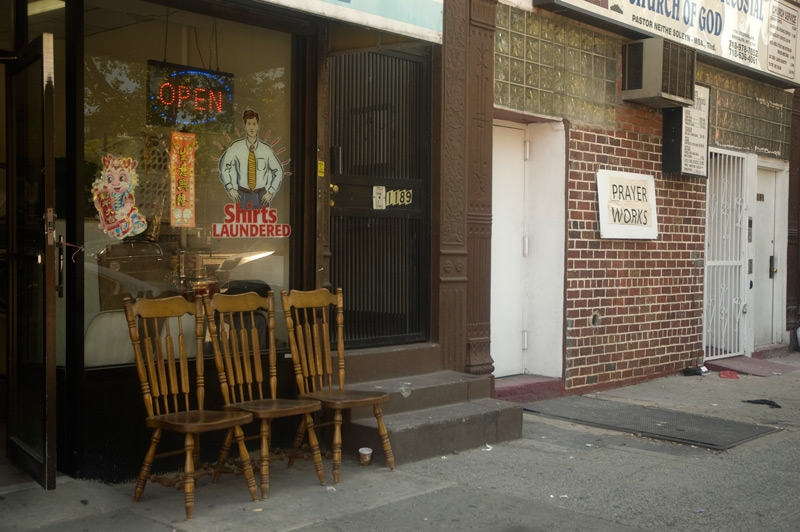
(252, 174)
(114, 200)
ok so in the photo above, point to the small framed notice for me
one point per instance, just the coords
(627, 205)
(686, 136)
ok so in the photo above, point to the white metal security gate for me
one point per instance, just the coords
(726, 257)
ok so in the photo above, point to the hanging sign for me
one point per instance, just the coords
(182, 95)
(181, 179)
(760, 35)
(627, 205)
(686, 137)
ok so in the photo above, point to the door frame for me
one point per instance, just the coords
(781, 168)
(545, 228)
(43, 469)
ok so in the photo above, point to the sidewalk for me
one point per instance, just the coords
(559, 476)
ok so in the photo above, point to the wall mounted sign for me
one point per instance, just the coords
(760, 35)
(420, 19)
(112, 193)
(182, 95)
(627, 205)
(181, 179)
(686, 136)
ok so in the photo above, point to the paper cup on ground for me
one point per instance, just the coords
(365, 453)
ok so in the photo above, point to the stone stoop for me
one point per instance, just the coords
(772, 350)
(432, 414)
(528, 388)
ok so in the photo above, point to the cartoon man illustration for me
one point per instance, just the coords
(113, 197)
(249, 169)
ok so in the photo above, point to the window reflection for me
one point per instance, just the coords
(181, 238)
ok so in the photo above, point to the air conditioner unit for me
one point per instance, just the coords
(658, 73)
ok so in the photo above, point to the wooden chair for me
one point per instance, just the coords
(307, 320)
(171, 402)
(232, 322)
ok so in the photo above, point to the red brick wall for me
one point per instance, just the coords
(634, 308)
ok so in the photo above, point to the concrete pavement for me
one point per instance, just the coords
(559, 476)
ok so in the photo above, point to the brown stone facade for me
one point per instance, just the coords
(634, 308)
(462, 210)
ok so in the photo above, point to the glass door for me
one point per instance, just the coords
(32, 262)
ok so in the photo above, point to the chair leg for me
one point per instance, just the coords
(188, 476)
(246, 465)
(196, 448)
(223, 455)
(144, 474)
(298, 441)
(387, 448)
(263, 464)
(314, 444)
(337, 444)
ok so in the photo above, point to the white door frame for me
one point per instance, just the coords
(542, 251)
(781, 169)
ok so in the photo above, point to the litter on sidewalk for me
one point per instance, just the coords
(769, 402)
(728, 374)
(695, 370)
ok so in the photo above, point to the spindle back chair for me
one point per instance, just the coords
(172, 400)
(308, 320)
(237, 324)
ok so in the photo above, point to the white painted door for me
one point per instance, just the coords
(764, 242)
(508, 216)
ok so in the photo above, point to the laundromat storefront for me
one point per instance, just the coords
(201, 176)
(188, 156)
(190, 186)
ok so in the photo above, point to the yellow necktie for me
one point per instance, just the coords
(251, 168)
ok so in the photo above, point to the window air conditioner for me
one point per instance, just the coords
(658, 73)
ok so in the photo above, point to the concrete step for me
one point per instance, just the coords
(772, 350)
(528, 388)
(370, 364)
(415, 392)
(435, 431)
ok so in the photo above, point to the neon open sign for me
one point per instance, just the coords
(181, 95)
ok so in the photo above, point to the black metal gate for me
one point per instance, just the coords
(380, 136)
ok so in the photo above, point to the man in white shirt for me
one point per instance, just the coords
(249, 169)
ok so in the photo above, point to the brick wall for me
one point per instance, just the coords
(634, 308)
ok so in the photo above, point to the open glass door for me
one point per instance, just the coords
(32, 262)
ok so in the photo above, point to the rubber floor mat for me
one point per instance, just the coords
(670, 425)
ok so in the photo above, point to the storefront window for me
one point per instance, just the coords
(188, 162)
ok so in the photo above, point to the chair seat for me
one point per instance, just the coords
(347, 398)
(275, 408)
(197, 421)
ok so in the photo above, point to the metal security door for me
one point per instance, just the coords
(31, 440)
(726, 259)
(380, 153)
